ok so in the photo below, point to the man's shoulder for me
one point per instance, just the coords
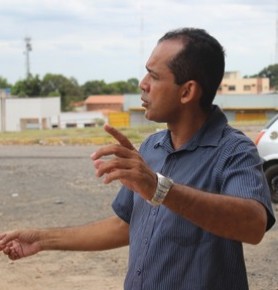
(233, 134)
(234, 140)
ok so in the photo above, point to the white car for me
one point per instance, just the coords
(267, 143)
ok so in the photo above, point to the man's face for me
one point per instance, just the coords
(160, 94)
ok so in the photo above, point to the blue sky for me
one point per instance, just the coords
(111, 39)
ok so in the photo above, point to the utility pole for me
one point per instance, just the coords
(28, 48)
(3, 110)
(142, 46)
(276, 38)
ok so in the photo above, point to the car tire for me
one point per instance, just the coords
(271, 174)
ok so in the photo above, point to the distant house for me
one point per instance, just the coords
(105, 103)
(234, 84)
(133, 105)
(17, 114)
(78, 120)
(252, 107)
(248, 107)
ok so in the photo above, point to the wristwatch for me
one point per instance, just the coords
(164, 184)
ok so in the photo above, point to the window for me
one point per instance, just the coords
(247, 88)
(231, 88)
(71, 125)
(88, 125)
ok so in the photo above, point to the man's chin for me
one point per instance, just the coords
(152, 118)
(148, 116)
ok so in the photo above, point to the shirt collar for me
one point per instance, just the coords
(208, 135)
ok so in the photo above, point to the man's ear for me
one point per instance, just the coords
(190, 91)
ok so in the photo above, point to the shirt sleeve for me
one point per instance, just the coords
(241, 175)
(123, 204)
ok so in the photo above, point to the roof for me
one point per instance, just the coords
(105, 99)
(254, 101)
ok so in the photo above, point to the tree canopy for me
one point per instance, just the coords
(31, 87)
(270, 72)
(67, 88)
(4, 83)
(70, 91)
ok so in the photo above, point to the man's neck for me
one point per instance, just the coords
(184, 130)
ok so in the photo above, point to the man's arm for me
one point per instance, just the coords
(102, 235)
(226, 216)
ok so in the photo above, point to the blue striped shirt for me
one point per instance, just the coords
(167, 252)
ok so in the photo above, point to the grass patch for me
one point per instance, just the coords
(87, 136)
(74, 136)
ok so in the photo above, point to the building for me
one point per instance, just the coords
(78, 120)
(105, 103)
(18, 114)
(133, 105)
(248, 107)
(252, 107)
(233, 83)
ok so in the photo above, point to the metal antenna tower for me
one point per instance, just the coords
(276, 44)
(28, 48)
(142, 46)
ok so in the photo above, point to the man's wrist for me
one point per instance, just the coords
(164, 184)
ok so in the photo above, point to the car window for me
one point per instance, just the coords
(273, 120)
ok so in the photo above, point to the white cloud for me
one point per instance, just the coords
(108, 39)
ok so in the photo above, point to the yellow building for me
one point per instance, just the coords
(234, 84)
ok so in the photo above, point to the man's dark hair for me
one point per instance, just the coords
(202, 59)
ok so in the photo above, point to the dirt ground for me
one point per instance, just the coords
(45, 186)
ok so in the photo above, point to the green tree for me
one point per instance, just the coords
(124, 87)
(119, 87)
(101, 88)
(30, 87)
(270, 72)
(94, 88)
(4, 83)
(133, 85)
(68, 89)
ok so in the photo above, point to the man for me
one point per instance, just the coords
(190, 196)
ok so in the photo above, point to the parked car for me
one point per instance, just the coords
(267, 143)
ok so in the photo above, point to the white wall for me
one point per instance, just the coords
(77, 118)
(21, 108)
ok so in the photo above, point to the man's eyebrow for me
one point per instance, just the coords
(148, 69)
(151, 71)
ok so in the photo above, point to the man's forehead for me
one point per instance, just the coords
(165, 51)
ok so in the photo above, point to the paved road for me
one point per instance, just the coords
(50, 186)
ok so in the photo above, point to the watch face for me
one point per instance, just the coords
(165, 182)
(163, 186)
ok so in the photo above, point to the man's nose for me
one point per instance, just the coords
(143, 85)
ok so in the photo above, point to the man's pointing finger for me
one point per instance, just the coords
(122, 139)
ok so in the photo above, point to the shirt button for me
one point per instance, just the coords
(146, 241)
(154, 211)
(139, 271)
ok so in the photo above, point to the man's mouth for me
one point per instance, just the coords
(144, 102)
